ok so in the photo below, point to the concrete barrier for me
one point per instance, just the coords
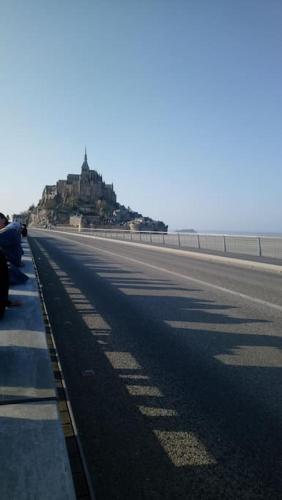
(33, 457)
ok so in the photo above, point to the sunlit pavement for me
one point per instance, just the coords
(175, 384)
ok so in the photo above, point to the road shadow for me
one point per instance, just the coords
(166, 403)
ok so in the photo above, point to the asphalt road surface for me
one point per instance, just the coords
(173, 367)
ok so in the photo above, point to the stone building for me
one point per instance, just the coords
(86, 187)
(85, 200)
(83, 195)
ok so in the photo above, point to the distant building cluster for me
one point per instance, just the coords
(87, 187)
(85, 200)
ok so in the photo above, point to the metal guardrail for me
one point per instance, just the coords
(259, 246)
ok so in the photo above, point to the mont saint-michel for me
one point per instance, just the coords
(85, 200)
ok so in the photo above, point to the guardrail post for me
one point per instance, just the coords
(179, 240)
(224, 244)
(259, 247)
(163, 239)
(198, 239)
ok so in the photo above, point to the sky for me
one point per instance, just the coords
(179, 103)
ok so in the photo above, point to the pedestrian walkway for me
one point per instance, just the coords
(33, 457)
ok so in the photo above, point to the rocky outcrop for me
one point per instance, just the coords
(86, 200)
(146, 224)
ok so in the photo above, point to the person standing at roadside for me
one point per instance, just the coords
(10, 244)
(4, 284)
(10, 241)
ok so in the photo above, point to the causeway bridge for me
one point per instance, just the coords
(167, 359)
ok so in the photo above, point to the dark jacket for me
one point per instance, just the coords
(10, 244)
(4, 284)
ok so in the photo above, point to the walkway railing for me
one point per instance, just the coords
(259, 246)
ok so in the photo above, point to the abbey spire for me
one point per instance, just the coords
(85, 167)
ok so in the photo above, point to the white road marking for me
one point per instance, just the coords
(251, 264)
(255, 300)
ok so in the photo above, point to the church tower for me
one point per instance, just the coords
(84, 181)
(85, 167)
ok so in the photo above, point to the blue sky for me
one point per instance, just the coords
(179, 104)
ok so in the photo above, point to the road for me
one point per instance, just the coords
(173, 367)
